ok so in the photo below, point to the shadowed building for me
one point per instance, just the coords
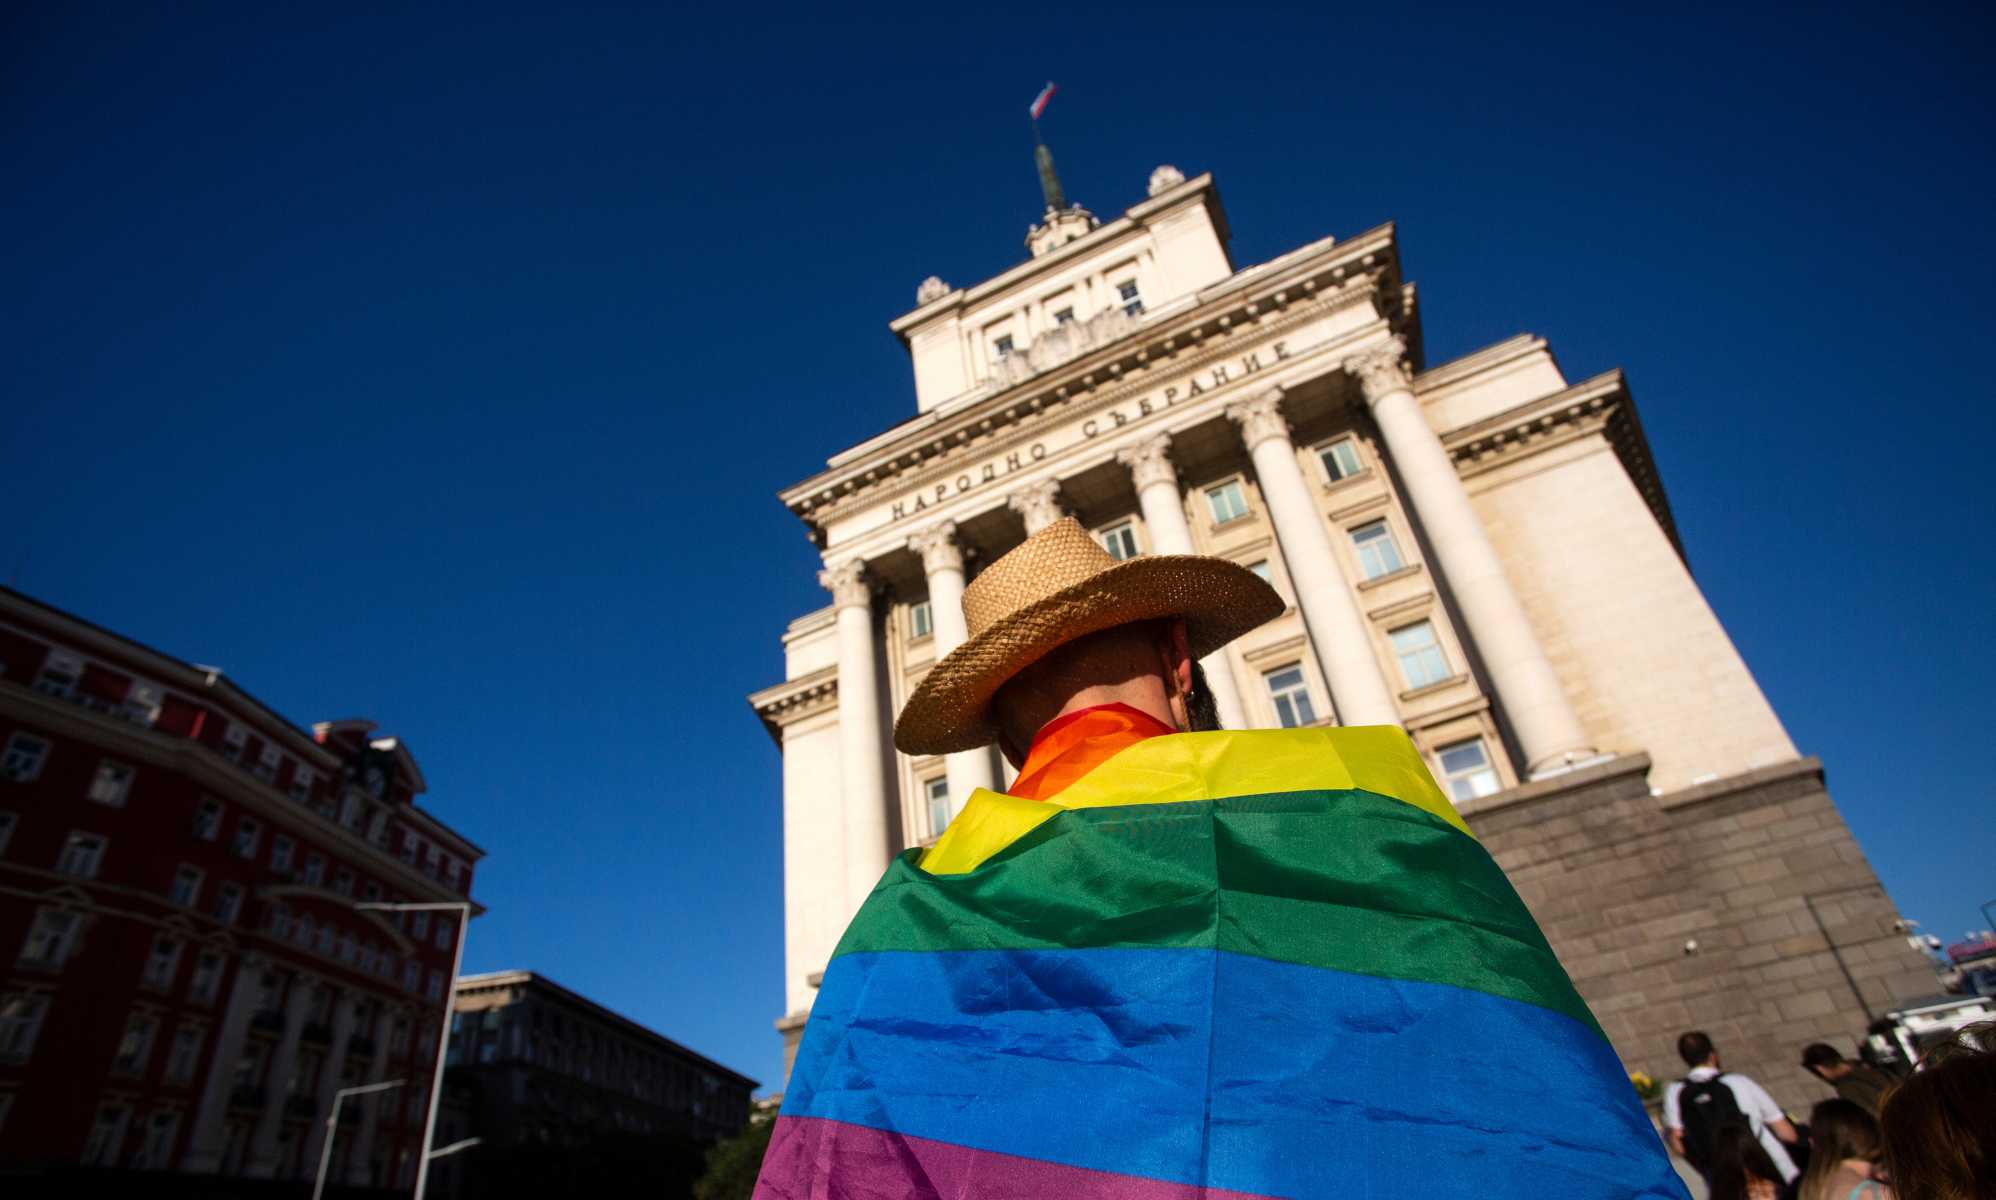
(1479, 550)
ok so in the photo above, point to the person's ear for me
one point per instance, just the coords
(1179, 662)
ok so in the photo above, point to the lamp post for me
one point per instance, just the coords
(463, 910)
(333, 1127)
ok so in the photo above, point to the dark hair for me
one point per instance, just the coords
(1939, 1126)
(1694, 1048)
(1838, 1129)
(1820, 1054)
(1736, 1157)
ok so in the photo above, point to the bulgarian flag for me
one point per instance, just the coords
(1219, 965)
(1040, 101)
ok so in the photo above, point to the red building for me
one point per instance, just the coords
(185, 979)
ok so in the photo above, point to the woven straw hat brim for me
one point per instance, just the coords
(1219, 601)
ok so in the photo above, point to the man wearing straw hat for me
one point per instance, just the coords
(1173, 961)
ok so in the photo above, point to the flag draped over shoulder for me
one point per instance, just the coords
(1221, 964)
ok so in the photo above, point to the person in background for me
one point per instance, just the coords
(1740, 1169)
(1698, 1106)
(1843, 1154)
(1939, 1126)
(1860, 1083)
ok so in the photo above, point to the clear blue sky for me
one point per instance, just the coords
(441, 367)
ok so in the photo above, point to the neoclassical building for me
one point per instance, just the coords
(1478, 550)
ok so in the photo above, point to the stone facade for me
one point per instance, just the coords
(1698, 909)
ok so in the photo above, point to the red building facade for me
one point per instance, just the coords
(185, 978)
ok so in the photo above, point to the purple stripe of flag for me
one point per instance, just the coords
(811, 1158)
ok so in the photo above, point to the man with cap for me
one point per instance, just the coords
(1177, 961)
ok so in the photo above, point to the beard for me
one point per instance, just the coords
(1200, 709)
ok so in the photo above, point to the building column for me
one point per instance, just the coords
(1156, 481)
(262, 1160)
(1338, 632)
(1546, 725)
(1038, 504)
(331, 1072)
(204, 1141)
(377, 1068)
(862, 762)
(942, 562)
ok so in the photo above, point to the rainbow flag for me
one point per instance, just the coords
(1219, 965)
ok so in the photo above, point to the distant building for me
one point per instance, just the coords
(184, 978)
(533, 1065)
(1478, 550)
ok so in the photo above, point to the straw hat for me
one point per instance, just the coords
(1060, 585)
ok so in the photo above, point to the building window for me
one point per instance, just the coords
(282, 850)
(1001, 347)
(445, 926)
(267, 763)
(1130, 298)
(162, 963)
(412, 975)
(435, 990)
(454, 876)
(186, 886)
(936, 792)
(919, 625)
(1291, 694)
(135, 1048)
(1120, 540)
(183, 1053)
(50, 938)
(7, 822)
(419, 925)
(1420, 655)
(409, 841)
(324, 941)
(234, 739)
(370, 891)
(156, 1143)
(25, 756)
(1227, 502)
(142, 704)
(82, 853)
(21, 1016)
(315, 869)
(107, 1136)
(229, 903)
(1378, 553)
(248, 834)
(343, 882)
(1262, 572)
(112, 782)
(1063, 316)
(1340, 459)
(1466, 770)
(208, 821)
(302, 780)
(207, 978)
(59, 674)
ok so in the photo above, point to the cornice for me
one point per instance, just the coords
(795, 699)
(1365, 268)
(220, 777)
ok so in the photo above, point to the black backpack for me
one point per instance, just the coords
(1703, 1106)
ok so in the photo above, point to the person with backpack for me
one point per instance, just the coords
(1697, 1106)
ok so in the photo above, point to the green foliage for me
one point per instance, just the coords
(732, 1165)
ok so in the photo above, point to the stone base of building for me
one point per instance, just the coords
(1742, 907)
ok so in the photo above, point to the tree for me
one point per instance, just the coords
(732, 1165)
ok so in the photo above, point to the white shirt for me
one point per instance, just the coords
(1753, 1100)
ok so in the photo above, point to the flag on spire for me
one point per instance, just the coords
(1040, 101)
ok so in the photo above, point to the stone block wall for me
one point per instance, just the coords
(1758, 869)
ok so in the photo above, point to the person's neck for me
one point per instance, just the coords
(1147, 696)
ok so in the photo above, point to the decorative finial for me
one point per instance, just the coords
(1043, 157)
(929, 289)
(1165, 178)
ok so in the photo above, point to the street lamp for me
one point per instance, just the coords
(463, 910)
(333, 1127)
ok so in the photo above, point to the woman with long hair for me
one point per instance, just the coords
(1844, 1149)
(1741, 1170)
(1940, 1126)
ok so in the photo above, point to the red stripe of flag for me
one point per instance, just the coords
(1040, 101)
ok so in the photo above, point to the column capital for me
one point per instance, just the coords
(939, 548)
(1260, 417)
(1149, 462)
(1381, 368)
(1038, 503)
(848, 583)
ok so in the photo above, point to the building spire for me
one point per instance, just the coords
(1063, 222)
(1049, 180)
